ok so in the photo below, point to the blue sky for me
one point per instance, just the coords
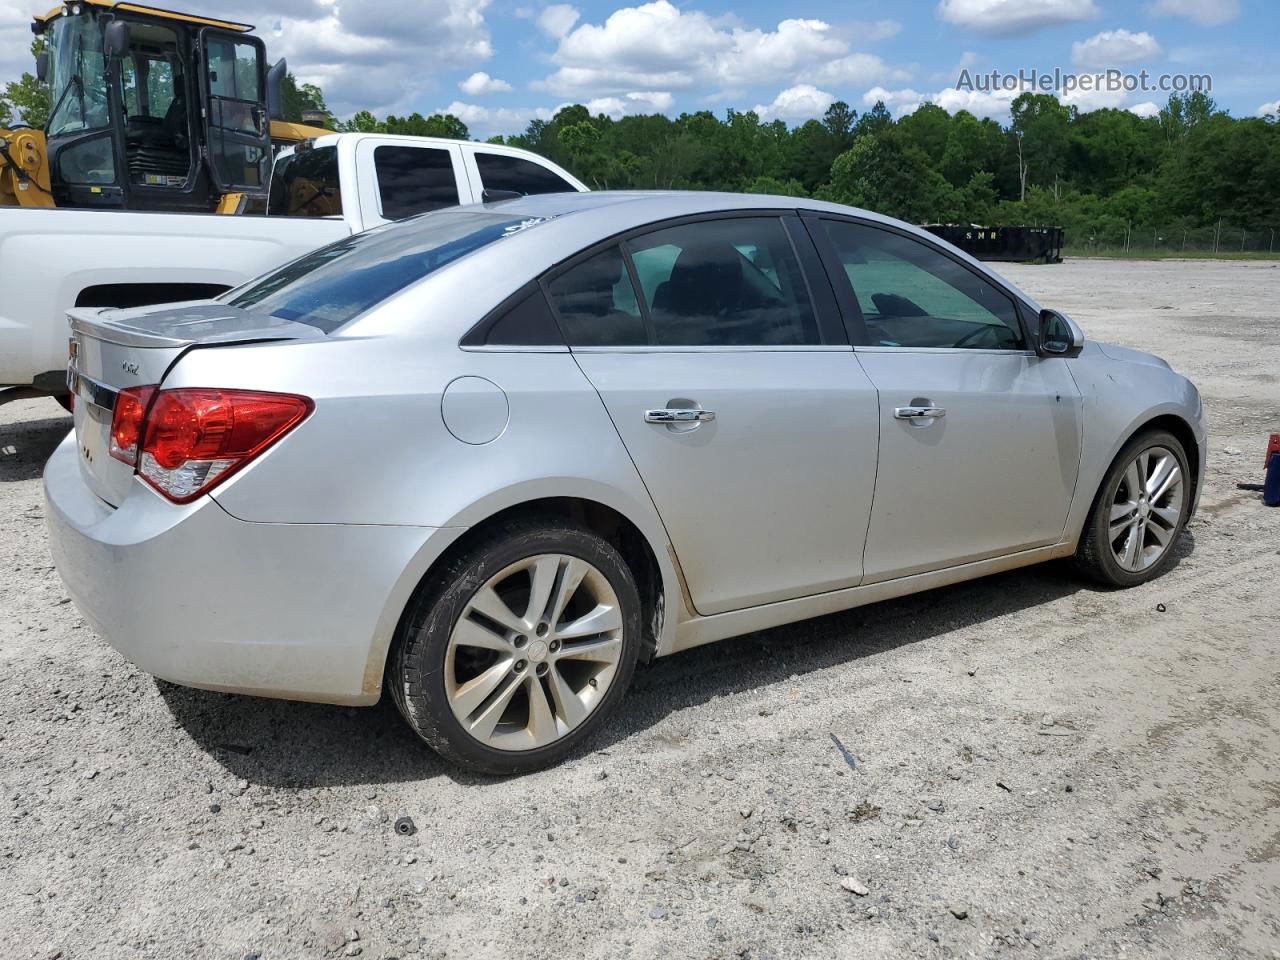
(500, 63)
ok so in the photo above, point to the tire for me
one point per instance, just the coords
(1130, 557)
(452, 643)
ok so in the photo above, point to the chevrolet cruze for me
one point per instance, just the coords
(487, 458)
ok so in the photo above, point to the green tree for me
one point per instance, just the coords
(307, 97)
(27, 100)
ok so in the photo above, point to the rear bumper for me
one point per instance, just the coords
(192, 595)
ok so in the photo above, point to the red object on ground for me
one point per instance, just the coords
(1272, 448)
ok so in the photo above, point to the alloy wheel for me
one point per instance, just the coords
(534, 652)
(1146, 510)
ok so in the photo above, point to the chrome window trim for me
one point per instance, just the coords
(513, 348)
(984, 351)
(780, 348)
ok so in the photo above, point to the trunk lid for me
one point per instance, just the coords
(113, 350)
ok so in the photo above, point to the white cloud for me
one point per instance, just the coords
(480, 83)
(1146, 109)
(756, 55)
(854, 70)
(1207, 13)
(1014, 16)
(1269, 109)
(800, 102)
(1096, 97)
(903, 101)
(486, 121)
(365, 59)
(558, 19)
(658, 101)
(658, 46)
(1113, 48)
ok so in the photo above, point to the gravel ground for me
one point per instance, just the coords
(1035, 764)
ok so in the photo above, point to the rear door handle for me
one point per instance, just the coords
(683, 415)
(919, 413)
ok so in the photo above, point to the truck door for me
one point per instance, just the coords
(233, 100)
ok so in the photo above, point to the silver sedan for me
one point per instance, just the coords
(488, 458)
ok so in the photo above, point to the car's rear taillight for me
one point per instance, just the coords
(126, 422)
(194, 438)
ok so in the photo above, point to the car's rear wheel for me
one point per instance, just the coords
(1139, 512)
(523, 650)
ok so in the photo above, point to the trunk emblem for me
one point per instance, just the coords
(87, 455)
(129, 367)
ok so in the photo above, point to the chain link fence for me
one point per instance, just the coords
(1220, 239)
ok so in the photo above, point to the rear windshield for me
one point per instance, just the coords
(306, 184)
(333, 285)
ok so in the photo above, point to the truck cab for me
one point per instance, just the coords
(152, 109)
(373, 178)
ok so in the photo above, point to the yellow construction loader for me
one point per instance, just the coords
(151, 110)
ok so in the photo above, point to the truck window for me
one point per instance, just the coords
(305, 184)
(501, 172)
(413, 180)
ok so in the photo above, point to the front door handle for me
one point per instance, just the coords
(683, 415)
(919, 413)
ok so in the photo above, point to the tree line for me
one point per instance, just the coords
(1190, 166)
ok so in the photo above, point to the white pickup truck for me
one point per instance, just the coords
(321, 191)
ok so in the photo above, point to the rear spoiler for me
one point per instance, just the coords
(184, 325)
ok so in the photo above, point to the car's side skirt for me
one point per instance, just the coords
(699, 630)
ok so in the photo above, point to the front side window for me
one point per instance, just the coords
(501, 172)
(333, 285)
(731, 282)
(914, 296)
(306, 184)
(413, 180)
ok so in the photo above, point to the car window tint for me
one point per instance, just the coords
(330, 286)
(596, 304)
(413, 180)
(732, 282)
(306, 185)
(913, 296)
(501, 172)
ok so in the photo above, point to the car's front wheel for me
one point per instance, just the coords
(1139, 512)
(523, 649)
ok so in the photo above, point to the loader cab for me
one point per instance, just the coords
(153, 110)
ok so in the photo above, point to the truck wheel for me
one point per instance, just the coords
(523, 650)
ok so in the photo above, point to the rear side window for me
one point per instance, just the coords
(501, 172)
(596, 304)
(305, 184)
(333, 285)
(731, 282)
(413, 180)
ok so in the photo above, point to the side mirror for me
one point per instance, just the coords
(42, 66)
(275, 89)
(1058, 336)
(115, 39)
